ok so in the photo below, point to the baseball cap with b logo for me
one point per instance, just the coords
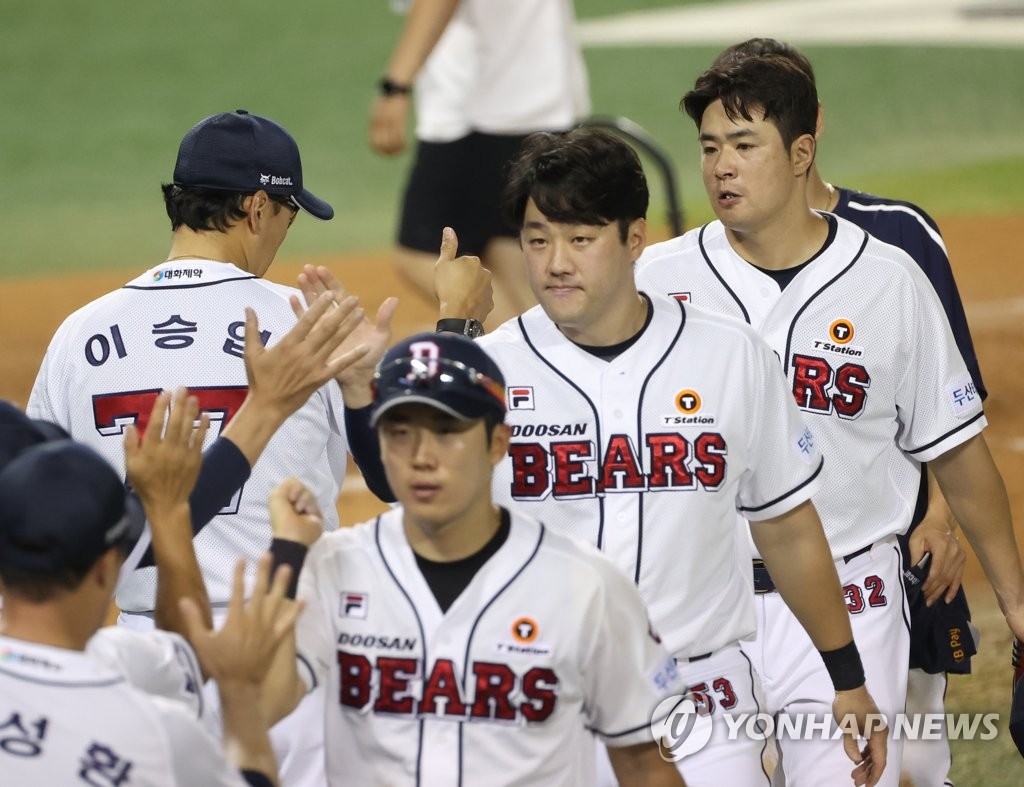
(237, 151)
(443, 370)
(62, 506)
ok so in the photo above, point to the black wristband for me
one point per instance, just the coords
(386, 87)
(288, 553)
(471, 328)
(844, 667)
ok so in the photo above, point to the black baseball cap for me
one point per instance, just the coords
(18, 432)
(61, 507)
(443, 370)
(237, 151)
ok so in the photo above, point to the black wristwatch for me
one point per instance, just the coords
(471, 328)
(388, 88)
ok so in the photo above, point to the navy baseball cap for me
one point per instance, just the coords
(18, 432)
(61, 507)
(237, 151)
(442, 370)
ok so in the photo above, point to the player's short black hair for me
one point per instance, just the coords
(773, 84)
(754, 47)
(37, 587)
(201, 209)
(583, 176)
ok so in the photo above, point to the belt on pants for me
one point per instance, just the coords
(763, 582)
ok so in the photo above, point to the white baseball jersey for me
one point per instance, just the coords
(650, 456)
(65, 718)
(868, 354)
(183, 323)
(548, 644)
(160, 663)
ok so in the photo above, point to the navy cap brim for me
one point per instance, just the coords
(430, 401)
(313, 205)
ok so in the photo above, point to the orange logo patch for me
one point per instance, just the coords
(688, 401)
(525, 630)
(841, 331)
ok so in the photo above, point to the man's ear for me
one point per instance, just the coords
(256, 207)
(501, 436)
(636, 238)
(802, 154)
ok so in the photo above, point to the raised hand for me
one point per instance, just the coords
(462, 285)
(355, 378)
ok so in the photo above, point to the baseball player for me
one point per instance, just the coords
(483, 74)
(906, 225)
(459, 642)
(237, 188)
(75, 708)
(631, 428)
(869, 358)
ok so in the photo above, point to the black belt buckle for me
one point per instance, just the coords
(763, 582)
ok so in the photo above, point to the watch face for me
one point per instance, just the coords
(474, 330)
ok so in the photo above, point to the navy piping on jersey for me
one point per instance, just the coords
(905, 604)
(593, 409)
(309, 668)
(485, 607)
(90, 684)
(714, 270)
(947, 434)
(640, 432)
(807, 303)
(757, 705)
(630, 731)
(419, 623)
(794, 490)
(185, 286)
(472, 630)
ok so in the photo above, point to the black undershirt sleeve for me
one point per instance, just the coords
(222, 473)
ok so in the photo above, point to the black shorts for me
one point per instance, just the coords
(458, 184)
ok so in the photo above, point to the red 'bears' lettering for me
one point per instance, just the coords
(442, 684)
(710, 450)
(675, 464)
(355, 679)
(818, 388)
(494, 682)
(669, 453)
(539, 688)
(498, 692)
(621, 466)
(393, 694)
(571, 476)
(530, 477)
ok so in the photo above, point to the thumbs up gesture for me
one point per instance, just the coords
(462, 285)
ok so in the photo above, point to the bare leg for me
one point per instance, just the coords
(415, 269)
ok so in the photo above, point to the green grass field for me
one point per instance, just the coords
(98, 95)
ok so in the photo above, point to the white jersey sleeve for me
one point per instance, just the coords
(937, 402)
(160, 663)
(778, 436)
(627, 671)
